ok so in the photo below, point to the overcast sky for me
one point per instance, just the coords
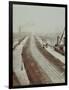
(38, 18)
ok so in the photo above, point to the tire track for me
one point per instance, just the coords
(51, 71)
(57, 63)
(34, 72)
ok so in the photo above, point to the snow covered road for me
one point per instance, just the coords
(36, 68)
(17, 64)
(54, 53)
(47, 67)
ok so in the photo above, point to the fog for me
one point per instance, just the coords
(40, 19)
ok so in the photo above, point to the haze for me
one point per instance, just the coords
(40, 19)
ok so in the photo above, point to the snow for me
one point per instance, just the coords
(54, 53)
(18, 63)
(16, 42)
(55, 75)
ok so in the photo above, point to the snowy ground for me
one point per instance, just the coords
(15, 43)
(54, 53)
(55, 75)
(17, 64)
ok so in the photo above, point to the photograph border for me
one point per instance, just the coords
(11, 42)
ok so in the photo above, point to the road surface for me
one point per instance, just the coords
(39, 66)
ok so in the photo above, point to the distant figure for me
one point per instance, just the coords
(45, 44)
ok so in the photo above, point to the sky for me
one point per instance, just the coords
(40, 19)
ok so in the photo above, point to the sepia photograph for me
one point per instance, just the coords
(38, 41)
